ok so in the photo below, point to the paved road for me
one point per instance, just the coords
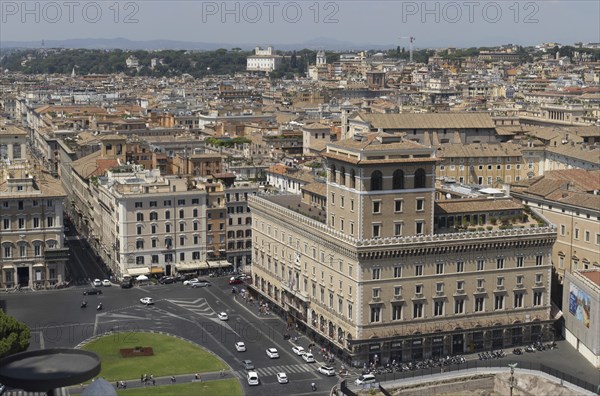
(56, 320)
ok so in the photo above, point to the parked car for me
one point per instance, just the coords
(253, 378)
(327, 370)
(106, 283)
(365, 379)
(282, 378)
(97, 283)
(240, 346)
(223, 316)
(247, 364)
(166, 280)
(147, 300)
(272, 353)
(298, 350)
(89, 292)
(308, 357)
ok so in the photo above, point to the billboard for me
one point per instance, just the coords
(580, 305)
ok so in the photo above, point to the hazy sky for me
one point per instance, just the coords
(432, 23)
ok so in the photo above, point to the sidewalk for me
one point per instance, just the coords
(164, 381)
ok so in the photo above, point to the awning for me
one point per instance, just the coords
(38, 265)
(156, 270)
(219, 264)
(191, 265)
(138, 271)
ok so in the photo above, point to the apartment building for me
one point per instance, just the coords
(239, 223)
(570, 200)
(373, 281)
(31, 227)
(482, 164)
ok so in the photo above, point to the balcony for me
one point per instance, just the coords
(398, 297)
(418, 296)
(375, 300)
(459, 292)
(480, 290)
(439, 293)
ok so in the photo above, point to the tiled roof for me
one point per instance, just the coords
(316, 188)
(480, 150)
(428, 121)
(471, 205)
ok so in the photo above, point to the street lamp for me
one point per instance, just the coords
(512, 376)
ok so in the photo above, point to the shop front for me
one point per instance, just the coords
(437, 346)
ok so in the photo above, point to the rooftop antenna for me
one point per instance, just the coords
(411, 39)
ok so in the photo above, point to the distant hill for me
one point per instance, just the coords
(153, 45)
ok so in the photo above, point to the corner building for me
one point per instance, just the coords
(374, 283)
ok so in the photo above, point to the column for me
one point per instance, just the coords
(10, 151)
(23, 151)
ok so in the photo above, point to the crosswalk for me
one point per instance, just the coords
(272, 370)
(15, 392)
(199, 306)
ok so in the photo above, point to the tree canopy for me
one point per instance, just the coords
(14, 335)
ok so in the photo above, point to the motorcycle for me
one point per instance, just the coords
(84, 304)
(313, 386)
(99, 307)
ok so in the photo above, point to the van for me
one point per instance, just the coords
(365, 379)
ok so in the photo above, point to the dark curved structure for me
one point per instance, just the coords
(48, 369)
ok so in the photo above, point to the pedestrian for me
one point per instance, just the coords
(151, 377)
(222, 373)
(118, 385)
(142, 378)
(153, 382)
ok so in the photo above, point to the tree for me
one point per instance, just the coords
(14, 335)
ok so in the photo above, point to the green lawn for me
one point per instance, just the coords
(229, 387)
(172, 356)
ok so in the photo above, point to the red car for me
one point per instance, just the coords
(234, 280)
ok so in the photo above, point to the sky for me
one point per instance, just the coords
(432, 23)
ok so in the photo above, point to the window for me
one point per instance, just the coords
(181, 227)
(181, 202)
(167, 214)
(419, 270)
(538, 278)
(417, 310)
(375, 314)
(418, 289)
(460, 266)
(597, 239)
(500, 263)
(377, 207)
(153, 216)
(376, 272)
(519, 279)
(37, 250)
(439, 287)
(398, 180)
(7, 251)
(6, 224)
(153, 204)
(342, 201)
(139, 230)
(140, 217)
(154, 243)
(376, 230)
(168, 227)
(22, 250)
(21, 223)
(438, 308)
(376, 293)
(518, 300)
(397, 272)
(419, 227)
(50, 221)
(420, 205)
(499, 282)
(397, 229)
(398, 205)
(539, 260)
(479, 304)
(520, 260)
(333, 198)
(480, 265)
(349, 311)
(498, 302)
(563, 229)
(36, 222)
(352, 205)
(460, 285)
(397, 291)
(181, 213)
(376, 181)
(537, 299)
(139, 244)
(586, 236)
(439, 268)
(459, 306)
(20, 205)
(576, 233)
(138, 205)
(420, 178)
(396, 312)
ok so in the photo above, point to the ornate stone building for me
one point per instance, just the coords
(374, 282)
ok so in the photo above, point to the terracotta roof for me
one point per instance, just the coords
(316, 188)
(428, 121)
(587, 180)
(480, 150)
(93, 165)
(593, 275)
(471, 205)
(588, 154)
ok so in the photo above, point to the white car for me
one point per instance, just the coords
(97, 283)
(253, 378)
(327, 370)
(282, 378)
(190, 281)
(223, 316)
(240, 346)
(147, 300)
(365, 379)
(308, 357)
(298, 350)
(272, 353)
(106, 283)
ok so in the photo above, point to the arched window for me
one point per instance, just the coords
(343, 176)
(332, 171)
(398, 179)
(352, 178)
(420, 178)
(376, 181)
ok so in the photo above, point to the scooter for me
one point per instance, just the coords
(84, 304)
(99, 307)
(313, 386)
